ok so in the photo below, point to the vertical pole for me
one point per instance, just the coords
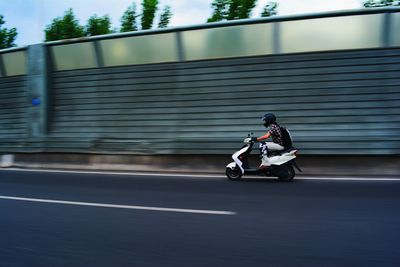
(386, 30)
(179, 47)
(2, 68)
(276, 38)
(98, 53)
(37, 90)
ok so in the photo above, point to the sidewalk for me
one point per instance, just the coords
(374, 166)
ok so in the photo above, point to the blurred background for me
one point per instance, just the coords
(195, 92)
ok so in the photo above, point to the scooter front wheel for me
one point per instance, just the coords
(234, 174)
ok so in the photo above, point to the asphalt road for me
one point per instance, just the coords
(67, 219)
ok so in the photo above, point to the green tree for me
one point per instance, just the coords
(270, 9)
(234, 9)
(7, 36)
(220, 10)
(128, 20)
(149, 11)
(231, 9)
(64, 28)
(98, 25)
(245, 8)
(381, 3)
(165, 17)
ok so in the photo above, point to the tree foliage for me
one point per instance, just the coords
(67, 27)
(270, 9)
(241, 9)
(150, 7)
(237, 9)
(165, 17)
(128, 20)
(381, 3)
(220, 10)
(64, 28)
(98, 25)
(149, 11)
(7, 36)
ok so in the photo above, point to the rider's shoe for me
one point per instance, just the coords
(263, 167)
(265, 162)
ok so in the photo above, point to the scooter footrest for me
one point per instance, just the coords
(251, 171)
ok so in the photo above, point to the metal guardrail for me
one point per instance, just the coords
(331, 14)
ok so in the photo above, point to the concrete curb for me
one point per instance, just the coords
(350, 166)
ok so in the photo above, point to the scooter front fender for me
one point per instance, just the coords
(231, 165)
(236, 159)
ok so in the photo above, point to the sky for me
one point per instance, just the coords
(31, 17)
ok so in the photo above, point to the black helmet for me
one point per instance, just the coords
(268, 119)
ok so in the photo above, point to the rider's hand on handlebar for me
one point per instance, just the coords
(249, 140)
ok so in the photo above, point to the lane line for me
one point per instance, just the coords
(118, 173)
(103, 205)
(349, 179)
(197, 175)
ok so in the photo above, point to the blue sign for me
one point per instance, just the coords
(36, 101)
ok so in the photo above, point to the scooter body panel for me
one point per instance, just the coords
(284, 158)
(236, 159)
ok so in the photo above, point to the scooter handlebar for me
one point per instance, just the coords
(248, 140)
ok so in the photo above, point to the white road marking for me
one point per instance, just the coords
(119, 173)
(102, 205)
(349, 178)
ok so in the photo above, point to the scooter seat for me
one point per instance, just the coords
(279, 152)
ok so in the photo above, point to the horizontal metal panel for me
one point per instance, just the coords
(230, 41)
(269, 90)
(337, 102)
(395, 29)
(139, 49)
(293, 116)
(332, 122)
(15, 63)
(274, 89)
(13, 115)
(353, 58)
(113, 97)
(331, 33)
(13, 108)
(139, 114)
(7, 87)
(74, 56)
(235, 109)
(250, 78)
(300, 66)
(248, 72)
(329, 101)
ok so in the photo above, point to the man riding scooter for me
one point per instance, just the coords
(278, 156)
(280, 139)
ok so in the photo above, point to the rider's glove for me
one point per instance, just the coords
(247, 140)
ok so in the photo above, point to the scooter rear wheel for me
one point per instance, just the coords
(233, 174)
(287, 175)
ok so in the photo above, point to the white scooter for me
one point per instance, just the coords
(282, 163)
